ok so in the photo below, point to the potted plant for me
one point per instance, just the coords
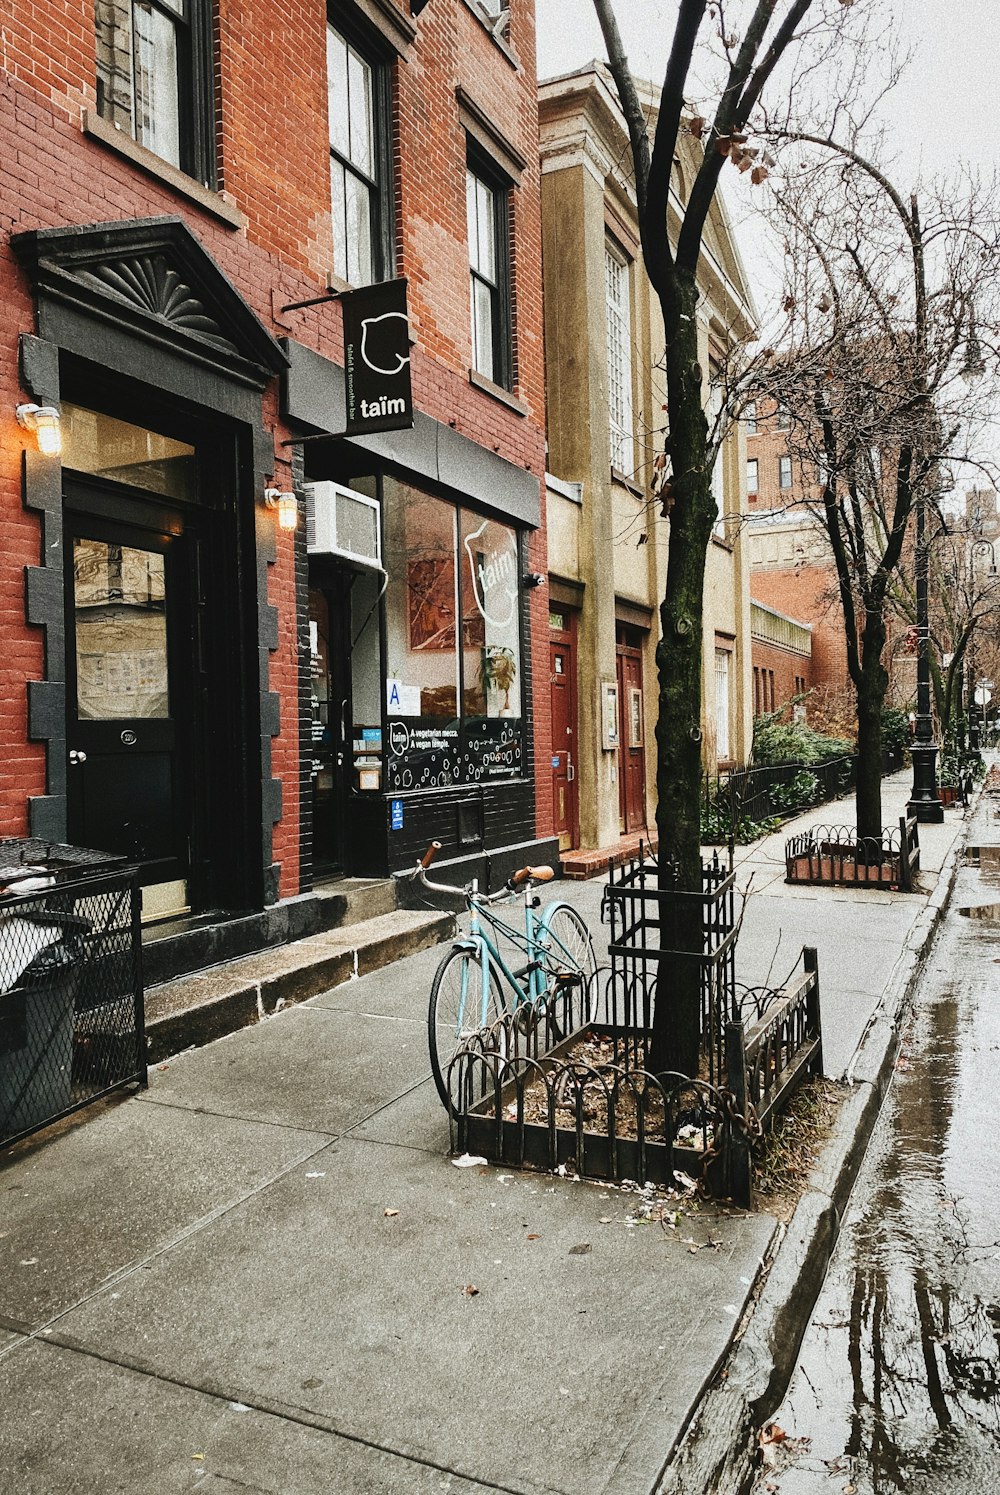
(499, 673)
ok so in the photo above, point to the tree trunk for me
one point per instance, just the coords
(677, 1022)
(871, 689)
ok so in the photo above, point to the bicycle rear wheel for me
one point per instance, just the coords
(569, 956)
(458, 1008)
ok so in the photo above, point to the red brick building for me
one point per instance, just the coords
(791, 569)
(241, 706)
(781, 657)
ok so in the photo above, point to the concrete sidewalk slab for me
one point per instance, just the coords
(398, 990)
(113, 1430)
(308, 1300)
(102, 1197)
(322, 1070)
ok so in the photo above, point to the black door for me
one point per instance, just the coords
(129, 688)
(332, 714)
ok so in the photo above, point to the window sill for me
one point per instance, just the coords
(722, 543)
(488, 22)
(497, 392)
(98, 129)
(623, 481)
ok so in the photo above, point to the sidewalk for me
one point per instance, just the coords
(201, 1288)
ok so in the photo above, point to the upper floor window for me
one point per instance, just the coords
(750, 417)
(715, 433)
(752, 477)
(783, 418)
(357, 87)
(619, 334)
(784, 472)
(487, 205)
(154, 71)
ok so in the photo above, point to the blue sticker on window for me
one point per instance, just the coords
(396, 814)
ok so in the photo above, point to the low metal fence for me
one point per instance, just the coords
(71, 996)
(736, 803)
(834, 854)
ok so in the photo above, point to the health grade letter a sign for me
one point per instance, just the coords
(377, 359)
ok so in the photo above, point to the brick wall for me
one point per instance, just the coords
(274, 167)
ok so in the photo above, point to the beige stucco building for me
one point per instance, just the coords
(607, 545)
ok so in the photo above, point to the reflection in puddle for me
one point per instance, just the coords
(898, 1383)
(989, 911)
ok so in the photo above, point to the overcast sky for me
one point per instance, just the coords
(948, 103)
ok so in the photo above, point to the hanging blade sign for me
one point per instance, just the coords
(377, 359)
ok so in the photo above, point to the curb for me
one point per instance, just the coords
(715, 1449)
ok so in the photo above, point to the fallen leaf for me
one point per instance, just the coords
(471, 1291)
(199, 1456)
(390, 1213)
(581, 1250)
(533, 1238)
(772, 1433)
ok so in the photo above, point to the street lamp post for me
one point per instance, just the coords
(924, 803)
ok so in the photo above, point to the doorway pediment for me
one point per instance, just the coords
(153, 277)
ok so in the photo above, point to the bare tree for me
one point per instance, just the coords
(752, 43)
(888, 290)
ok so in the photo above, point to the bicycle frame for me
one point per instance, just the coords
(487, 951)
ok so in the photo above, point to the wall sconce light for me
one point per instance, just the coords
(43, 422)
(286, 504)
(534, 579)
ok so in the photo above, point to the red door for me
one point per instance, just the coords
(631, 752)
(562, 675)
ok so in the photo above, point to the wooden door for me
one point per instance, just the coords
(631, 749)
(562, 676)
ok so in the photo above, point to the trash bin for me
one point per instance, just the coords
(70, 982)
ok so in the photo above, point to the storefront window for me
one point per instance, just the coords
(453, 708)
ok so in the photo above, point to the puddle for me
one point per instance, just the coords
(898, 1382)
(985, 857)
(988, 911)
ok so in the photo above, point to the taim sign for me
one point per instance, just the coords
(377, 359)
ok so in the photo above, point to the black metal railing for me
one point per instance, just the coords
(740, 803)
(71, 996)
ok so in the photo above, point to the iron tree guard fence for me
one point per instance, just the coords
(564, 1083)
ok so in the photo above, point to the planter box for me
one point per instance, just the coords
(561, 1138)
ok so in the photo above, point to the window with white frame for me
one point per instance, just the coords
(154, 78)
(783, 418)
(359, 165)
(619, 332)
(750, 417)
(487, 207)
(753, 477)
(784, 472)
(722, 742)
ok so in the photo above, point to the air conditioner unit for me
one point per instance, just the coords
(342, 522)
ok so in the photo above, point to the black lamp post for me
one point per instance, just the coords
(924, 803)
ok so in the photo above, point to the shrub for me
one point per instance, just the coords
(777, 742)
(801, 790)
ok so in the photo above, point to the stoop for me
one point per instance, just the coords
(197, 1007)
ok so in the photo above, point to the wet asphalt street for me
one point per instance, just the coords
(898, 1381)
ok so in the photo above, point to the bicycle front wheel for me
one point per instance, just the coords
(460, 1006)
(569, 955)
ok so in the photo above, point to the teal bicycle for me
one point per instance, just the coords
(474, 986)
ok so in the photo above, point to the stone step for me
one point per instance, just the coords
(194, 1009)
(593, 861)
(349, 900)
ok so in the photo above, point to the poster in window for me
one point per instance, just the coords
(634, 717)
(431, 601)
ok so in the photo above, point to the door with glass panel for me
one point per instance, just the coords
(128, 683)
